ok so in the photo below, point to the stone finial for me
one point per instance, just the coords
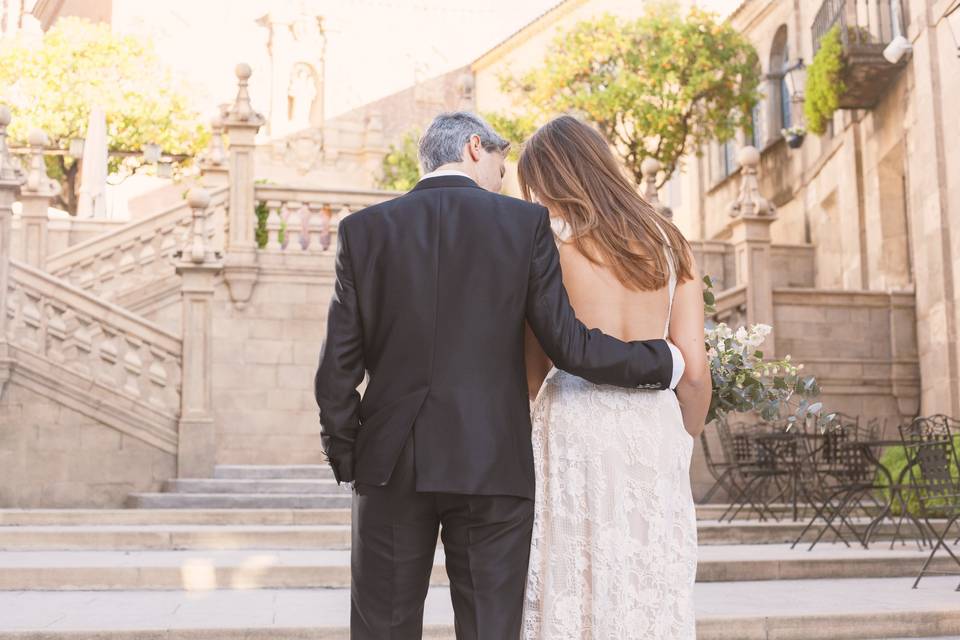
(750, 202)
(215, 154)
(38, 182)
(649, 168)
(197, 250)
(241, 112)
(9, 168)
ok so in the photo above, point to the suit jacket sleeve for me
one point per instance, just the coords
(341, 369)
(588, 353)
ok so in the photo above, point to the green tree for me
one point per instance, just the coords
(655, 86)
(53, 86)
(400, 167)
(515, 129)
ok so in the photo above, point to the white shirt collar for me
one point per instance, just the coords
(444, 172)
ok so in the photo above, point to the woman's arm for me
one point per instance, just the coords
(538, 364)
(687, 333)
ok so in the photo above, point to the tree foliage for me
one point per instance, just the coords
(656, 86)
(514, 129)
(400, 167)
(53, 84)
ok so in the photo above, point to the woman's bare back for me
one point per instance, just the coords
(602, 301)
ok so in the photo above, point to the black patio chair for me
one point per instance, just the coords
(933, 482)
(756, 472)
(722, 472)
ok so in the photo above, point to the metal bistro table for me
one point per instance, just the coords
(789, 451)
(850, 491)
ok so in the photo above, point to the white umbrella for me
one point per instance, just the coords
(93, 181)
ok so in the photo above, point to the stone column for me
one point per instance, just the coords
(750, 236)
(650, 167)
(11, 179)
(35, 199)
(241, 123)
(197, 265)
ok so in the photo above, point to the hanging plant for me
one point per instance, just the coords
(824, 86)
(794, 136)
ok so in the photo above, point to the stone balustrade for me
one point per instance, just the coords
(67, 328)
(305, 220)
(137, 254)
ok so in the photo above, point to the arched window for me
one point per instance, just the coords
(779, 92)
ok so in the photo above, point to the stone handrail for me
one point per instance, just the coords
(95, 340)
(134, 255)
(308, 217)
(731, 306)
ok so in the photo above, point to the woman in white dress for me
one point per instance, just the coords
(613, 554)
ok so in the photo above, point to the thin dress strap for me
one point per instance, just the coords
(672, 281)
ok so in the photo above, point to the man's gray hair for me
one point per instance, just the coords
(444, 139)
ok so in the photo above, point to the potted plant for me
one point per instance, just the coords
(794, 136)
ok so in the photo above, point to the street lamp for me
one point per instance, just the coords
(151, 152)
(795, 76)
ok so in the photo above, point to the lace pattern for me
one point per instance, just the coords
(614, 547)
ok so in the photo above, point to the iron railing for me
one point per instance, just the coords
(862, 22)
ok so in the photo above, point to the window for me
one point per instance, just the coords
(757, 137)
(779, 91)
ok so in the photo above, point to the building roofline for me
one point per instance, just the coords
(532, 28)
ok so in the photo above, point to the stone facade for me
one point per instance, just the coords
(54, 456)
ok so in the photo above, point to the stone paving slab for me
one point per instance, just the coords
(783, 610)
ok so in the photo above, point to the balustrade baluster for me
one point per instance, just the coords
(275, 218)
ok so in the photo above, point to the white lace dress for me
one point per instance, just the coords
(614, 548)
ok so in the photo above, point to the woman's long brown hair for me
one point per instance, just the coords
(572, 170)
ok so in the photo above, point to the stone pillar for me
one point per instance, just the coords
(241, 124)
(750, 236)
(214, 166)
(650, 167)
(35, 199)
(197, 265)
(11, 179)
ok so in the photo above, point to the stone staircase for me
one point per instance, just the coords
(275, 571)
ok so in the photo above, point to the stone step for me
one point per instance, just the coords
(271, 486)
(197, 516)
(290, 471)
(160, 537)
(189, 570)
(201, 531)
(323, 568)
(860, 609)
(238, 501)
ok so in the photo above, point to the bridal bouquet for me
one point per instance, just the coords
(743, 381)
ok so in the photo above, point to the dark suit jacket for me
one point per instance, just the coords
(430, 300)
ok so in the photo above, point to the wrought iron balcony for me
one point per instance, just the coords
(866, 28)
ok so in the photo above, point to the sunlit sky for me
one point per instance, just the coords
(377, 47)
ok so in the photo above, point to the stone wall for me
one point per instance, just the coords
(264, 359)
(53, 456)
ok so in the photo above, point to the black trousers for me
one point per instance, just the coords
(486, 541)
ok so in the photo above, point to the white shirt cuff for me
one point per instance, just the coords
(678, 365)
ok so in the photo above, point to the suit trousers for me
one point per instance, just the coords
(486, 541)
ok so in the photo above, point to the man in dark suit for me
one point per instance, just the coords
(432, 294)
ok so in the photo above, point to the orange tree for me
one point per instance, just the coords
(52, 85)
(656, 86)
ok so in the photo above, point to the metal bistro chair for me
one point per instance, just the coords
(755, 472)
(721, 470)
(933, 481)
